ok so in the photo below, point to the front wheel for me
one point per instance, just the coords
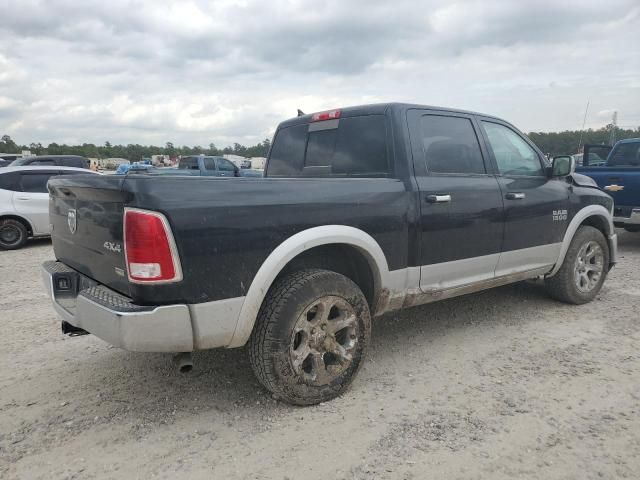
(310, 336)
(584, 268)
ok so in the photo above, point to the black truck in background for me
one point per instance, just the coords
(363, 210)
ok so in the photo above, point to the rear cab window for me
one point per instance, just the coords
(354, 146)
(188, 163)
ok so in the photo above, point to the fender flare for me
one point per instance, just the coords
(294, 246)
(576, 221)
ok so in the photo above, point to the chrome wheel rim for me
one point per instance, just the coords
(589, 267)
(324, 340)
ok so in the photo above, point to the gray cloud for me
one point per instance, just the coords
(193, 72)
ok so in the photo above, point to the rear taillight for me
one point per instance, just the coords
(329, 115)
(149, 248)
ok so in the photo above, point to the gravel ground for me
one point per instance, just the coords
(502, 384)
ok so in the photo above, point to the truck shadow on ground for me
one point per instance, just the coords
(149, 387)
(139, 393)
(628, 240)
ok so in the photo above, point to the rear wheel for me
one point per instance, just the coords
(310, 337)
(584, 268)
(13, 234)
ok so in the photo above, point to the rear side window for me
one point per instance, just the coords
(209, 163)
(625, 155)
(451, 145)
(351, 146)
(10, 181)
(35, 182)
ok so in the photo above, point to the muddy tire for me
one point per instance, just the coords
(310, 337)
(13, 234)
(584, 268)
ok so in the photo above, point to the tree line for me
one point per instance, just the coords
(553, 143)
(132, 152)
(567, 142)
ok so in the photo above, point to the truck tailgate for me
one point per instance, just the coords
(86, 213)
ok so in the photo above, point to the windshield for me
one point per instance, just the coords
(625, 155)
(19, 161)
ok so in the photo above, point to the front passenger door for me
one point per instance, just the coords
(225, 168)
(536, 206)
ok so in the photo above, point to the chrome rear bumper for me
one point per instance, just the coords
(112, 317)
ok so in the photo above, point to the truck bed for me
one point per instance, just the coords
(206, 215)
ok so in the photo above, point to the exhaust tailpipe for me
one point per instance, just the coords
(184, 361)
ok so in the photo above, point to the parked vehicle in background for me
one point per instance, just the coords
(363, 210)
(619, 176)
(24, 202)
(75, 161)
(7, 158)
(208, 166)
(125, 168)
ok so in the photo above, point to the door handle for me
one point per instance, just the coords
(438, 198)
(515, 196)
(23, 198)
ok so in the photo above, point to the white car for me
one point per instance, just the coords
(24, 202)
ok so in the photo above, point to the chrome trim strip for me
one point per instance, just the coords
(419, 297)
(526, 259)
(440, 276)
(633, 219)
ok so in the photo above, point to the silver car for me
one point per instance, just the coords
(24, 202)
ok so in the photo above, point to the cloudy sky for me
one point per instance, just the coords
(195, 72)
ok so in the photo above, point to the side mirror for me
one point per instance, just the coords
(562, 166)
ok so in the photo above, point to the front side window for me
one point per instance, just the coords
(35, 182)
(513, 155)
(225, 165)
(450, 145)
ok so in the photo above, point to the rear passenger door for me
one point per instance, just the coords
(536, 206)
(32, 201)
(461, 208)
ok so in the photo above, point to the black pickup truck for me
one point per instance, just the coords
(362, 211)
